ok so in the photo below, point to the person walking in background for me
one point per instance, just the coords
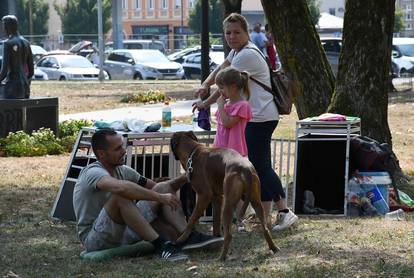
(245, 56)
(259, 38)
(270, 48)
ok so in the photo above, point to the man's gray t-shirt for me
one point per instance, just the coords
(88, 200)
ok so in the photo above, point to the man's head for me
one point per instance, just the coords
(108, 147)
(257, 27)
(10, 24)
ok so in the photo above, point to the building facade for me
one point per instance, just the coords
(333, 7)
(407, 9)
(165, 20)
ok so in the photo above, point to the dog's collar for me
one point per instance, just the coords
(189, 170)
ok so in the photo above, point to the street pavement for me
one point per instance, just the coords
(147, 112)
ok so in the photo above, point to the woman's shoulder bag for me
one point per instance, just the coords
(283, 89)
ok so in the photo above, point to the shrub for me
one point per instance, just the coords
(150, 96)
(42, 142)
(71, 127)
(68, 132)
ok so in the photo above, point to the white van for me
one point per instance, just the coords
(403, 55)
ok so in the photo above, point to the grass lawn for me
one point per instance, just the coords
(32, 245)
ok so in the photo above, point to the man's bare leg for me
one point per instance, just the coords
(124, 211)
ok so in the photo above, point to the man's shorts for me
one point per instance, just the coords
(105, 233)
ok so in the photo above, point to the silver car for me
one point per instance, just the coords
(68, 67)
(141, 64)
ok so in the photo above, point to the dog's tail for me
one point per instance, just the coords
(247, 179)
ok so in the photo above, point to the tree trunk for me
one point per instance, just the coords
(363, 73)
(301, 54)
(230, 6)
(364, 66)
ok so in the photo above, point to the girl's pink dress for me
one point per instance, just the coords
(233, 138)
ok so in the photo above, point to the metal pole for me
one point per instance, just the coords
(205, 44)
(30, 20)
(100, 41)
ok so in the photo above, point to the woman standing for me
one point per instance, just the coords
(244, 56)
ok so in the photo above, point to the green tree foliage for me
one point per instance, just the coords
(81, 16)
(315, 13)
(398, 20)
(40, 16)
(215, 17)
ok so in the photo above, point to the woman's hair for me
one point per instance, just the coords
(236, 18)
(230, 76)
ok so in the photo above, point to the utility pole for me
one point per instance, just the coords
(100, 41)
(205, 43)
(30, 20)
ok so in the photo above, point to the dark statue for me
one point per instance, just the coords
(17, 67)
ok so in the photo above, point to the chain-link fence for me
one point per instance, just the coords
(172, 42)
(403, 83)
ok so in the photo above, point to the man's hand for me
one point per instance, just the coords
(170, 200)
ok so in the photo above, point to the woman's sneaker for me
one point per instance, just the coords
(171, 252)
(198, 240)
(286, 219)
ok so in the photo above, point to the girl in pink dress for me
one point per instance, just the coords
(232, 115)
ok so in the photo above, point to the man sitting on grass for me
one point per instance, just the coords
(115, 205)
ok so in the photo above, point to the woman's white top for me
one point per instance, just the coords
(250, 60)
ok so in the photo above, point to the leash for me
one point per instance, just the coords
(189, 170)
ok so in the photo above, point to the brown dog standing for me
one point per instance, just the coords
(214, 173)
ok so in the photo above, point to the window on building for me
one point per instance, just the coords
(178, 4)
(408, 7)
(164, 4)
(332, 11)
(408, 26)
(191, 4)
(408, 16)
(138, 4)
(150, 4)
(124, 4)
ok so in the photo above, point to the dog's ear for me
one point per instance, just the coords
(174, 144)
(192, 136)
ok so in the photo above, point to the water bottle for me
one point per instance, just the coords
(166, 116)
(195, 120)
(395, 215)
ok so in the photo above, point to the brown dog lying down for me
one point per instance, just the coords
(214, 173)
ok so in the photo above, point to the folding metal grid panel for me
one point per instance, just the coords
(150, 155)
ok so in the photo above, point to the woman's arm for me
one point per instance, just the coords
(202, 92)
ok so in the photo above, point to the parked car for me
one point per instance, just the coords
(332, 47)
(137, 44)
(180, 56)
(141, 64)
(192, 63)
(37, 52)
(68, 67)
(403, 55)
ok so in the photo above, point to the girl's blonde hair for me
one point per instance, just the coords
(230, 76)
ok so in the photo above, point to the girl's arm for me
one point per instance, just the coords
(228, 121)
